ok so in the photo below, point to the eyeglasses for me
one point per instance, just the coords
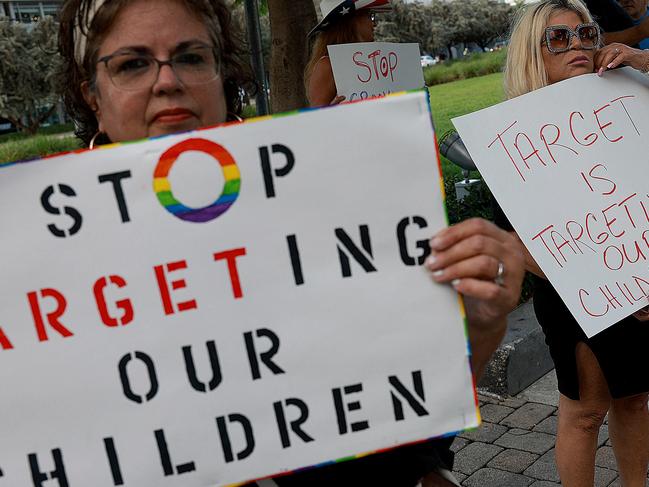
(133, 71)
(559, 37)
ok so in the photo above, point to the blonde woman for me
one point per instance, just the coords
(551, 41)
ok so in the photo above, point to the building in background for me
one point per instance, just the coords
(29, 11)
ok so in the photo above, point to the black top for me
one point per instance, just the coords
(609, 15)
(401, 467)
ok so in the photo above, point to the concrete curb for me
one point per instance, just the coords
(521, 359)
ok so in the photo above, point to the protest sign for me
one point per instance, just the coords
(370, 69)
(568, 165)
(216, 306)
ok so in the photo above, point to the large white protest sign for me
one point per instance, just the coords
(569, 166)
(369, 69)
(227, 304)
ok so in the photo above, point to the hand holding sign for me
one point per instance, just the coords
(485, 264)
(583, 140)
(228, 340)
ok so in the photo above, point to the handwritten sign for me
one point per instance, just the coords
(568, 165)
(227, 304)
(370, 69)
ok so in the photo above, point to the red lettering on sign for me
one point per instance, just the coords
(165, 292)
(545, 244)
(638, 282)
(599, 168)
(362, 65)
(533, 151)
(627, 111)
(499, 138)
(590, 136)
(4, 341)
(608, 124)
(610, 297)
(554, 142)
(603, 235)
(582, 293)
(123, 305)
(623, 203)
(610, 222)
(52, 317)
(231, 257)
(577, 238)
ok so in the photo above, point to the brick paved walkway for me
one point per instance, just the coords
(514, 447)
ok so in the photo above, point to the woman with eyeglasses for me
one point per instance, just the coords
(551, 41)
(145, 68)
(136, 69)
(343, 22)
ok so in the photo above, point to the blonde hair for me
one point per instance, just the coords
(525, 69)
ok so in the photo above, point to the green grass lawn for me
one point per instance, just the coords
(459, 98)
(31, 147)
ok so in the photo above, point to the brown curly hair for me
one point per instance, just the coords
(218, 20)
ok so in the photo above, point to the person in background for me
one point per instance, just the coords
(616, 23)
(144, 68)
(638, 10)
(343, 22)
(553, 40)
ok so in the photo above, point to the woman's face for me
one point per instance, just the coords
(162, 29)
(364, 25)
(575, 61)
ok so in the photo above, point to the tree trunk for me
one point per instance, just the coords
(16, 123)
(35, 123)
(290, 22)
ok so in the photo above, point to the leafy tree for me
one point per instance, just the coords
(480, 21)
(30, 62)
(427, 24)
(441, 24)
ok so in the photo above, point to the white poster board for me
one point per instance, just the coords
(285, 324)
(370, 69)
(569, 165)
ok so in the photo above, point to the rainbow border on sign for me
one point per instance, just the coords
(231, 186)
(443, 194)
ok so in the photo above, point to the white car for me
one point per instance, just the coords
(427, 60)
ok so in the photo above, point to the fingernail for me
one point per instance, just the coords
(600, 71)
(430, 261)
(438, 273)
(455, 283)
(435, 242)
(610, 66)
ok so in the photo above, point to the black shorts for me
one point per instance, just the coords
(621, 350)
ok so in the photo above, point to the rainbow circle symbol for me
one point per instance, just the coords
(231, 186)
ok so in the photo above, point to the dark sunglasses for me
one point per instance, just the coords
(559, 37)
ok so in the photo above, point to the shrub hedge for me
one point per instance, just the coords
(471, 66)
